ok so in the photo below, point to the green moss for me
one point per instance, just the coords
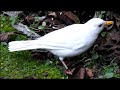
(20, 64)
(16, 65)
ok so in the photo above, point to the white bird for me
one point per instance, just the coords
(69, 41)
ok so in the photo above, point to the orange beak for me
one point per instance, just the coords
(109, 23)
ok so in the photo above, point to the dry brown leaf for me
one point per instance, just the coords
(5, 36)
(30, 19)
(72, 16)
(81, 73)
(64, 18)
(50, 13)
(109, 46)
(89, 72)
(52, 21)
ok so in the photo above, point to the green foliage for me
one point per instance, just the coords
(102, 14)
(109, 71)
(40, 27)
(16, 65)
(13, 20)
(95, 55)
(103, 34)
(6, 24)
(20, 64)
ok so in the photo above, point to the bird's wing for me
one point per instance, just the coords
(65, 38)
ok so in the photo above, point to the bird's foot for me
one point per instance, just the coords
(69, 72)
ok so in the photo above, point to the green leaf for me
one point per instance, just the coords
(95, 55)
(103, 34)
(48, 62)
(3, 18)
(17, 38)
(109, 75)
(41, 27)
(3, 43)
(13, 19)
(110, 69)
(37, 19)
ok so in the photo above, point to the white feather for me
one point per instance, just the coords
(66, 42)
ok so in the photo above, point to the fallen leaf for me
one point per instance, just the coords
(72, 16)
(30, 19)
(109, 75)
(52, 21)
(50, 13)
(81, 73)
(89, 72)
(64, 18)
(4, 37)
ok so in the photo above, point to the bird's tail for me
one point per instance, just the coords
(23, 45)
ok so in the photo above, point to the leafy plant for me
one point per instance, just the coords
(109, 71)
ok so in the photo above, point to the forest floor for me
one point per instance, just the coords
(101, 61)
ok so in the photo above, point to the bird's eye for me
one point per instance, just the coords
(100, 25)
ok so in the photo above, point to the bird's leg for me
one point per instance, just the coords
(67, 71)
(64, 64)
(61, 59)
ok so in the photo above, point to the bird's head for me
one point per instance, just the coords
(98, 24)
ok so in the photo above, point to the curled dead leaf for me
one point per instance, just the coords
(30, 19)
(5, 36)
(89, 72)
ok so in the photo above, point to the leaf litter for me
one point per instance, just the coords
(108, 43)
